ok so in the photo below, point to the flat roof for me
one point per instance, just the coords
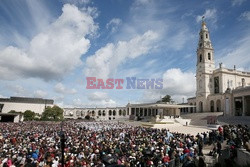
(27, 100)
(9, 114)
(94, 108)
(160, 105)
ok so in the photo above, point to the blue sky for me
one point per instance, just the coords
(48, 48)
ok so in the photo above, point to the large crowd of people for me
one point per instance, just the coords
(109, 144)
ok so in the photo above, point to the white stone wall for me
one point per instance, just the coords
(219, 102)
(18, 118)
(234, 78)
(75, 113)
(37, 108)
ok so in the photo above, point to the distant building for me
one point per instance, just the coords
(219, 90)
(21, 104)
(108, 113)
(130, 111)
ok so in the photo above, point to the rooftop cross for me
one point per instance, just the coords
(203, 18)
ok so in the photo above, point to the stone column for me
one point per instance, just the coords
(74, 114)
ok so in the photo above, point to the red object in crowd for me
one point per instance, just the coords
(220, 129)
(166, 159)
(186, 150)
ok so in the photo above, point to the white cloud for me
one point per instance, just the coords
(245, 15)
(77, 2)
(1, 96)
(40, 14)
(150, 63)
(176, 83)
(114, 24)
(100, 99)
(60, 88)
(54, 52)
(97, 96)
(101, 103)
(148, 15)
(178, 41)
(40, 94)
(129, 72)
(210, 15)
(77, 102)
(237, 2)
(17, 90)
(106, 60)
(238, 55)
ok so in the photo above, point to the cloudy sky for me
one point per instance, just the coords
(48, 48)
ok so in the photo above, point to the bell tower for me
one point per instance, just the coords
(204, 67)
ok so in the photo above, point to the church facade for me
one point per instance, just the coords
(222, 89)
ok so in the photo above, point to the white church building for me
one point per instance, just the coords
(222, 89)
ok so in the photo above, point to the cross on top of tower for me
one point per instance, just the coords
(203, 20)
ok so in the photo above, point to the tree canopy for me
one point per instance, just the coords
(54, 113)
(166, 98)
(15, 112)
(29, 115)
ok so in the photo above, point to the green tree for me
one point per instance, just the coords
(29, 115)
(54, 113)
(13, 111)
(166, 98)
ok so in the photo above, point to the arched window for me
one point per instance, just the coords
(201, 106)
(114, 113)
(212, 106)
(103, 113)
(99, 112)
(110, 112)
(200, 57)
(218, 105)
(209, 56)
(206, 36)
(120, 112)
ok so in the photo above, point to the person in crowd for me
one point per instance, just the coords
(108, 143)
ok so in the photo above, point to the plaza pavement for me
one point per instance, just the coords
(176, 127)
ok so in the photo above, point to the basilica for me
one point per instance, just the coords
(218, 89)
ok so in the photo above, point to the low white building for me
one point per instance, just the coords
(130, 111)
(21, 104)
(109, 113)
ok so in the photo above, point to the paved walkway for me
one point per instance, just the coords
(176, 127)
